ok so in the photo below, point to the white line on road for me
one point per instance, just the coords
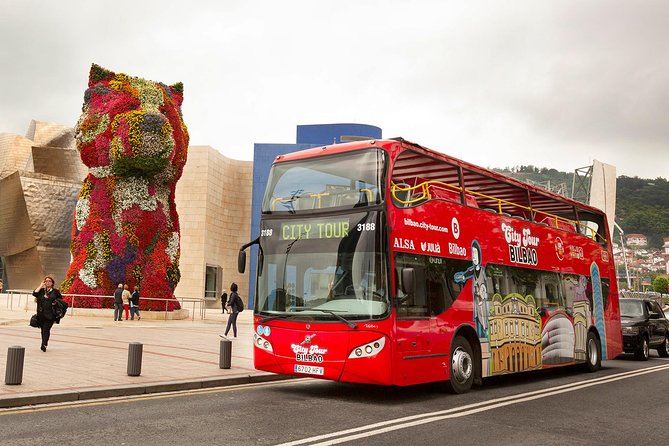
(417, 420)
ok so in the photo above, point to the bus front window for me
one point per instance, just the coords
(316, 267)
(349, 180)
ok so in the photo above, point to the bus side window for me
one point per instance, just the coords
(436, 289)
(407, 305)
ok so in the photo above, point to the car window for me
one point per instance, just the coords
(656, 309)
(631, 308)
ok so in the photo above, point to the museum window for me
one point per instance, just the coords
(211, 282)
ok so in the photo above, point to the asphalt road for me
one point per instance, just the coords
(624, 403)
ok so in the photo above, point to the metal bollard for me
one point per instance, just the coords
(135, 358)
(14, 369)
(226, 354)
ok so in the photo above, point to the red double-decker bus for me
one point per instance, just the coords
(385, 262)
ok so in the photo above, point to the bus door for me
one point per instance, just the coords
(413, 333)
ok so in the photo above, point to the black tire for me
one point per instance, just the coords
(663, 349)
(462, 366)
(593, 351)
(644, 351)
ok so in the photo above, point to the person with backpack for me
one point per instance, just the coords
(237, 306)
(134, 304)
(47, 298)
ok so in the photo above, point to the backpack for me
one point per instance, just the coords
(240, 304)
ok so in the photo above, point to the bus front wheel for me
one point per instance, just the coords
(462, 366)
(593, 351)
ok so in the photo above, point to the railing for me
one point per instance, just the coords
(421, 192)
(22, 299)
(339, 197)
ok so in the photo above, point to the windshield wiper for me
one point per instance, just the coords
(291, 315)
(278, 316)
(338, 316)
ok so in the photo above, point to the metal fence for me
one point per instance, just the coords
(661, 298)
(24, 300)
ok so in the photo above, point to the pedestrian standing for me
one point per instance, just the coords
(134, 303)
(46, 297)
(236, 305)
(118, 302)
(125, 296)
(224, 301)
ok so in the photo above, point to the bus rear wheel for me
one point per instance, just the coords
(593, 351)
(462, 366)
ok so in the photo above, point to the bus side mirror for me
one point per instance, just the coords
(241, 262)
(408, 281)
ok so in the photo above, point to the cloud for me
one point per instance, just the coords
(495, 83)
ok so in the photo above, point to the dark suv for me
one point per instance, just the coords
(644, 327)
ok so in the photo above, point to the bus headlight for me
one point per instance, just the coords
(369, 349)
(262, 343)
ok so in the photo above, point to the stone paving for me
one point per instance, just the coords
(87, 356)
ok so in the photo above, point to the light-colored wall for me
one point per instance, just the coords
(40, 185)
(213, 199)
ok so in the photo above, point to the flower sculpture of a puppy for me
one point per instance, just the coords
(132, 137)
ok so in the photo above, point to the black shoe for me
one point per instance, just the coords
(43, 348)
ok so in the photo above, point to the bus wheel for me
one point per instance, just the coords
(593, 351)
(462, 367)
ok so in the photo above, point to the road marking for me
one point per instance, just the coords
(417, 420)
(155, 396)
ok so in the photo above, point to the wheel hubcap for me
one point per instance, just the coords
(645, 349)
(462, 365)
(592, 351)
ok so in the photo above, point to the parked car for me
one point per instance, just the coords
(644, 327)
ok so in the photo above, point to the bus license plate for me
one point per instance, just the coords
(309, 369)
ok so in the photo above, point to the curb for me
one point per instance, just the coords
(135, 389)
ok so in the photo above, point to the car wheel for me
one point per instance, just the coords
(593, 351)
(644, 351)
(462, 366)
(663, 349)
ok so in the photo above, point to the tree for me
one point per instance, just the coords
(660, 284)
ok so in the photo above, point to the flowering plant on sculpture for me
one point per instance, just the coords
(125, 229)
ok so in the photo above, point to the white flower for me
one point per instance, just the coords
(173, 246)
(99, 261)
(129, 192)
(150, 94)
(81, 212)
(101, 172)
(87, 275)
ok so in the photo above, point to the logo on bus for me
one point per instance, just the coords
(522, 245)
(430, 247)
(576, 252)
(312, 354)
(559, 248)
(404, 243)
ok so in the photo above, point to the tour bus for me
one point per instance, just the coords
(385, 262)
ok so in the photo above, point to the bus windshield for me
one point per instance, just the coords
(349, 180)
(323, 268)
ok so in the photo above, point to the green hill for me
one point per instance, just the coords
(642, 205)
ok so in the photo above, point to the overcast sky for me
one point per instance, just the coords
(497, 83)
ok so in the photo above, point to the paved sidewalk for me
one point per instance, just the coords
(87, 356)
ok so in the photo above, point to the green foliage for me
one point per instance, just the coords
(660, 284)
(642, 205)
(139, 166)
